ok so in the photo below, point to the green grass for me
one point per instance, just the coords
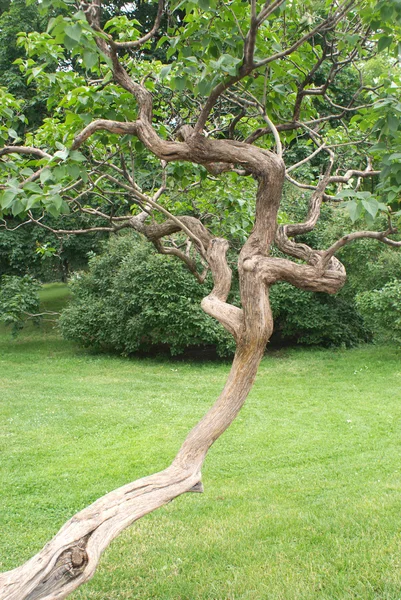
(302, 494)
(53, 296)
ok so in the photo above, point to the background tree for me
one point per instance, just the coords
(16, 17)
(129, 137)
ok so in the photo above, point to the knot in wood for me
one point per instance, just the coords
(184, 133)
(250, 263)
(78, 557)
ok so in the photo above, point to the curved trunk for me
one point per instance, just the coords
(245, 365)
(71, 557)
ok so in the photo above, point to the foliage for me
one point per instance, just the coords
(202, 46)
(369, 266)
(381, 310)
(40, 253)
(315, 319)
(15, 18)
(19, 300)
(134, 299)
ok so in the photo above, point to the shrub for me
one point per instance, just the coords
(370, 265)
(381, 310)
(19, 300)
(315, 319)
(133, 299)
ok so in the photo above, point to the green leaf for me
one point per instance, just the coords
(354, 210)
(180, 83)
(59, 172)
(63, 154)
(393, 123)
(204, 87)
(27, 172)
(33, 187)
(45, 175)
(90, 59)
(162, 40)
(229, 63)
(165, 71)
(32, 200)
(18, 207)
(204, 4)
(74, 171)
(74, 32)
(371, 206)
(392, 195)
(7, 198)
(346, 194)
(77, 156)
(69, 43)
(79, 16)
(384, 42)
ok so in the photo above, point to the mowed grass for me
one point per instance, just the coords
(302, 494)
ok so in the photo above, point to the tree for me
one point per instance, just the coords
(130, 137)
(16, 16)
(42, 254)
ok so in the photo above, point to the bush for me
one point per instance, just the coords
(22, 251)
(133, 299)
(315, 319)
(370, 265)
(19, 300)
(381, 310)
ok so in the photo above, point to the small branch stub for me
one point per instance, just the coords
(198, 487)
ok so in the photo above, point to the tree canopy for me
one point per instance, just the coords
(312, 78)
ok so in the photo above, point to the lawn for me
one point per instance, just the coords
(302, 494)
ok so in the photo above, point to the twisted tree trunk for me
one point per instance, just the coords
(71, 557)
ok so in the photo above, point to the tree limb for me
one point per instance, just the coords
(138, 43)
(381, 236)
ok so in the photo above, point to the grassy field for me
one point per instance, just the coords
(302, 494)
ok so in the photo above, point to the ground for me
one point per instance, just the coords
(302, 494)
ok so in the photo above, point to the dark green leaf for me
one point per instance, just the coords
(384, 42)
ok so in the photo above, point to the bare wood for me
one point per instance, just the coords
(215, 303)
(71, 557)
(353, 173)
(305, 277)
